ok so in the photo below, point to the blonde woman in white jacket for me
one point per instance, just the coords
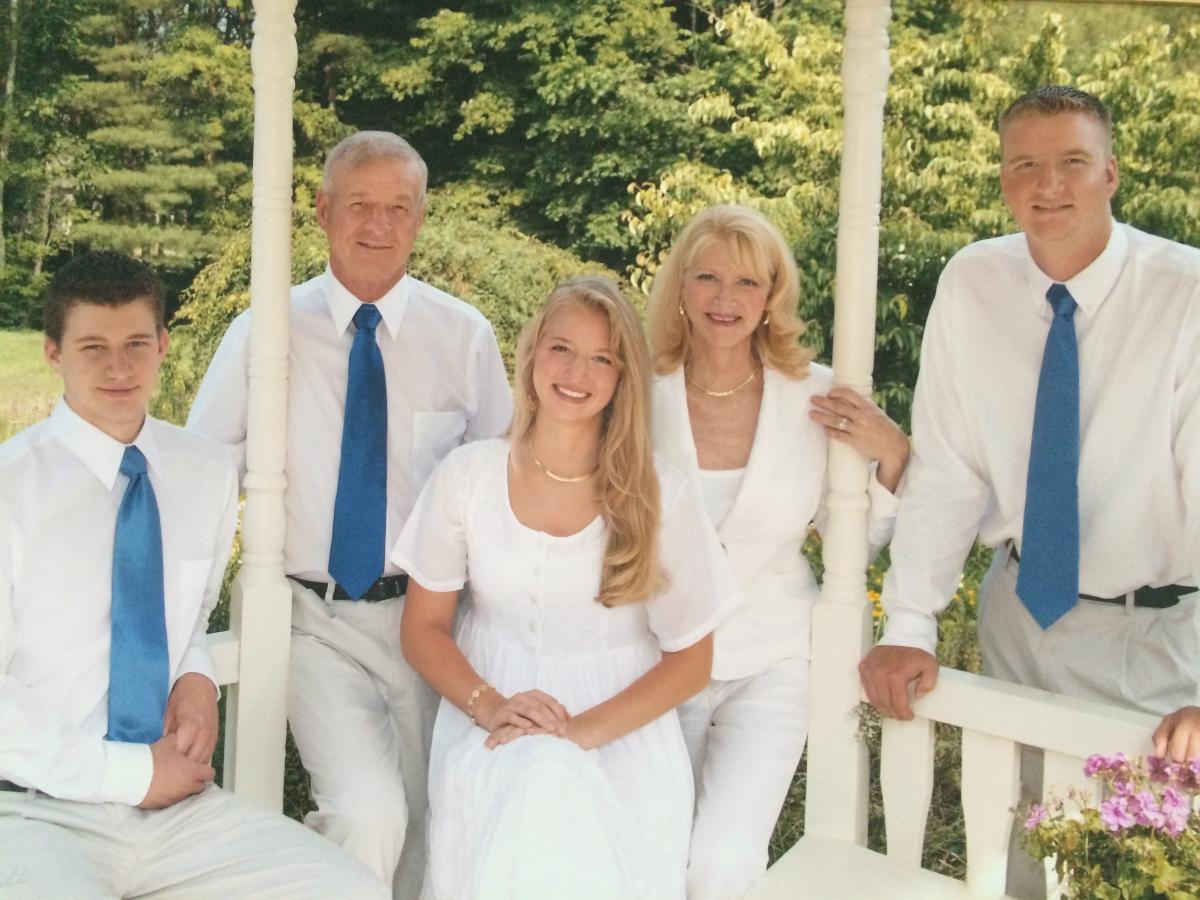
(739, 407)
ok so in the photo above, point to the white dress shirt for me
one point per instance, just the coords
(446, 386)
(60, 489)
(1138, 331)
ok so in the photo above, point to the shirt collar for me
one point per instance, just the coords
(1091, 286)
(343, 304)
(98, 451)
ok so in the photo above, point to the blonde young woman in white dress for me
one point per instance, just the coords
(740, 408)
(558, 767)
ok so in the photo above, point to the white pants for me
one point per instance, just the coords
(211, 845)
(1144, 659)
(745, 738)
(362, 720)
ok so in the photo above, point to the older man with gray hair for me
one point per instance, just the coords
(386, 375)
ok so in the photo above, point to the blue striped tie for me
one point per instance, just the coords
(138, 670)
(356, 554)
(1048, 580)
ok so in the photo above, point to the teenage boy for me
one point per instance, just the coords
(115, 529)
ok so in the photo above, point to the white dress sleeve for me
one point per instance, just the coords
(701, 589)
(432, 548)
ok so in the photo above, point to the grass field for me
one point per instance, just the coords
(28, 386)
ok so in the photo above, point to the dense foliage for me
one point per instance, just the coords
(589, 125)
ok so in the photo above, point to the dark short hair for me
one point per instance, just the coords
(104, 277)
(1052, 99)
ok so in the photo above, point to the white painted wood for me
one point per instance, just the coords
(837, 789)
(1062, 776)
(825, 868)
(260, 616)
(906, 776)
(836, 797)
(990, 789)
(1066, 725)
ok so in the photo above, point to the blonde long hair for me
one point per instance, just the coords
(629, 492)
(759, 248)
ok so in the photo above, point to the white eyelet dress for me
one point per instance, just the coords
(540, 817)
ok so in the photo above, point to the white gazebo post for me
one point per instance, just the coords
(261, 611)
(836, 803)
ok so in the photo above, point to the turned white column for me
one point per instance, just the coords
(261, 612)
(837, 783)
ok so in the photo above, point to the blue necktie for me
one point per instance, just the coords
(356, 554)
(138, 669)
(1048, 580)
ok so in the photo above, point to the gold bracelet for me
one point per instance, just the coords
(475, 695)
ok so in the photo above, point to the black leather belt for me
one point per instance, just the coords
(384, 588)
(1146, 597)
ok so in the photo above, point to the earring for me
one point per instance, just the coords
(681, 312)
(766, 319)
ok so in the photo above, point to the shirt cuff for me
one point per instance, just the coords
(910, 628)
(884, 503)
(198, 660)
(128, 770)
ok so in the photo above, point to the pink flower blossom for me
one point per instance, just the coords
(1163, 771)
(1144, 807)
(1176, 810)
(1100, 762)
(1116, 814)
(1037, 815)
(1189, 775)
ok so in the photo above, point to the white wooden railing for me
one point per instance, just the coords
(996, 718)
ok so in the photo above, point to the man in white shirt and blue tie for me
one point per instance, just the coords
(1057, 417)
(386, 376)
(115, 529)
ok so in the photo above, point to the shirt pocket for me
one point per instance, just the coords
(434, 435)
(185, 601)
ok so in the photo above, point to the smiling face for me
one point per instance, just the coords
(1058, 176)
(722, 299)
(574, 369)
(371, 214)
(108, 359)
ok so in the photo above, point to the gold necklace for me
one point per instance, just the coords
(733, 390)
(561, 479)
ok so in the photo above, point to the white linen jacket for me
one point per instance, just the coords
(780, 494)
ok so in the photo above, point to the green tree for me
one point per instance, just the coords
(166, 114)
(780, 84)
(37, 42)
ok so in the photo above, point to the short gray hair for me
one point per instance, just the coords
(372, 146)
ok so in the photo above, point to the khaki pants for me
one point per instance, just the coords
(362, 720)
(1143, 659)
(211, 845)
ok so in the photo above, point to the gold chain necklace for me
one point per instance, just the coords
(733, 390)
(561, 479)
